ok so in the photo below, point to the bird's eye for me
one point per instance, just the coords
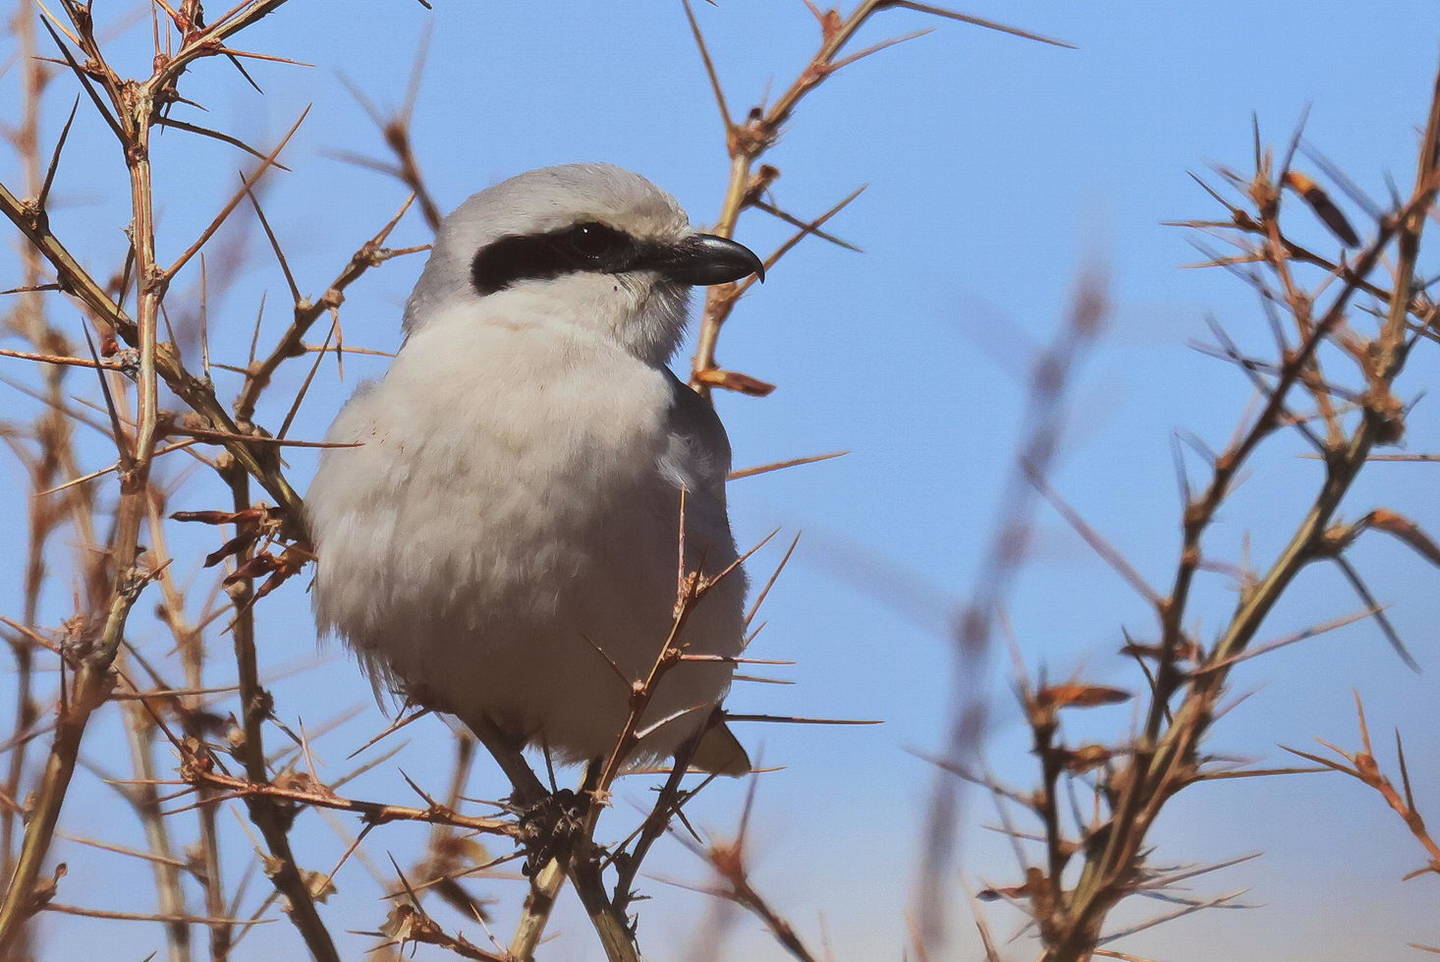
(592, 240)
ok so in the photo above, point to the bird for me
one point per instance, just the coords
(499, 537)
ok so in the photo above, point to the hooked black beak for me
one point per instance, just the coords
(705, 259)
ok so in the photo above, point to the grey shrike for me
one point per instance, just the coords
(514, 503)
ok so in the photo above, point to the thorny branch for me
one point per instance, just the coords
(748, 141)
(132, 108)
(134, 350)
(1100, 860)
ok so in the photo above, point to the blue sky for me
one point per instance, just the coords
(997, 168)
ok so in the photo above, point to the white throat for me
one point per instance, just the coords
(638, 312)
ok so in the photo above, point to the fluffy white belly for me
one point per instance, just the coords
(480, 546)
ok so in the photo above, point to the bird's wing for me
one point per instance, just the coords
(697, 456)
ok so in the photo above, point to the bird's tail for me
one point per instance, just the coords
(720, 752)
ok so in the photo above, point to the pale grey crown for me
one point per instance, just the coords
(537, 202)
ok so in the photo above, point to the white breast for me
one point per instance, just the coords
(516, 494)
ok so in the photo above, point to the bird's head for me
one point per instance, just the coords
(581, 244)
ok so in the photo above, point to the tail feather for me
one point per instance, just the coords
(720, 752)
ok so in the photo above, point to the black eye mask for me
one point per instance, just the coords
(590, 246)
(596, 248)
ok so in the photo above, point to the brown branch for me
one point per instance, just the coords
(370, 254)
(749, 140)
(1364, 768)
(272, 820)
(126, 574)
(1165, 757)
(318, 796)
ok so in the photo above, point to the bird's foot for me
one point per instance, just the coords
(549, 827)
